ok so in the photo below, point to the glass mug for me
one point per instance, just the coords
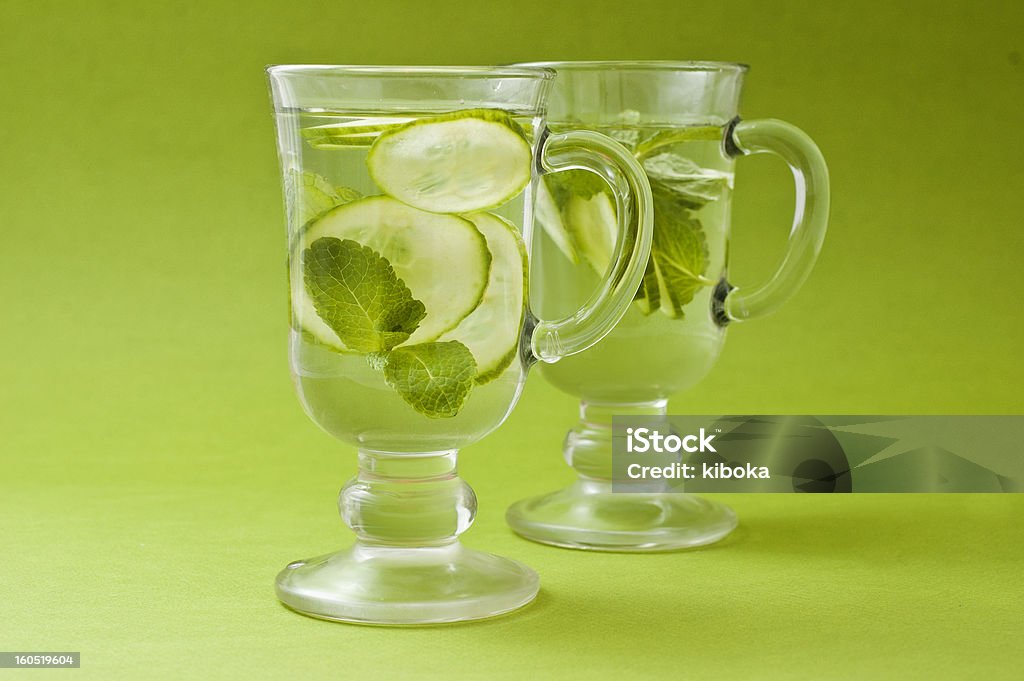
(680, 120)
(409, 194)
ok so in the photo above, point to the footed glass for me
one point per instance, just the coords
(680, 120)
(409, 195)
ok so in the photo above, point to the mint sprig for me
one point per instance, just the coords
(676, 269)
(356, 292)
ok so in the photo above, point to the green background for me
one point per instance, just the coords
(156, 469)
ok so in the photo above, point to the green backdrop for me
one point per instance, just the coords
(156, 469)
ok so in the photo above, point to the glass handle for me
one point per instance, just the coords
(585, 150)
(810, 219)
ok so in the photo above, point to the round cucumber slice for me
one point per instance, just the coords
(550, 220)
(592, 224)
(492, 330)
(443, 259)
(358, 133)
(461, 162)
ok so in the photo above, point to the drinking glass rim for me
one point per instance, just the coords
(378, 71)
(639, 65)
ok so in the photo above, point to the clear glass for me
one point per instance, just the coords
(680, 120)
(409, 194)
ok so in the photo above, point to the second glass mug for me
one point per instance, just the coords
(409, 194)
(680, 120)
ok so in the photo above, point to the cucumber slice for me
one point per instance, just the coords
(359, 133)
(462, 162)
(443, 259)
(550, 220)
(592, 225)
(491, 331)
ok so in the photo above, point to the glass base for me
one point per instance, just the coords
(588, 515)
(384, 585)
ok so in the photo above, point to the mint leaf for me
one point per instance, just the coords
(312, 195)
(433, 378)
(356, 292)
(690, 183)
(679, 251)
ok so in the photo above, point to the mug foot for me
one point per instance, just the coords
(405, 586)
(588, 515)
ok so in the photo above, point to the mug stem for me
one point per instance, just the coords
(403, 500)
(407, 565)
(588, 446)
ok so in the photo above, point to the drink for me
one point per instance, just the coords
(346, 392)
(654, 351)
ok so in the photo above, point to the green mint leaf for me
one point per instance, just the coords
(357, 293)
(433, 378)
(679, 251)
(312, 195)
(691, 184)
